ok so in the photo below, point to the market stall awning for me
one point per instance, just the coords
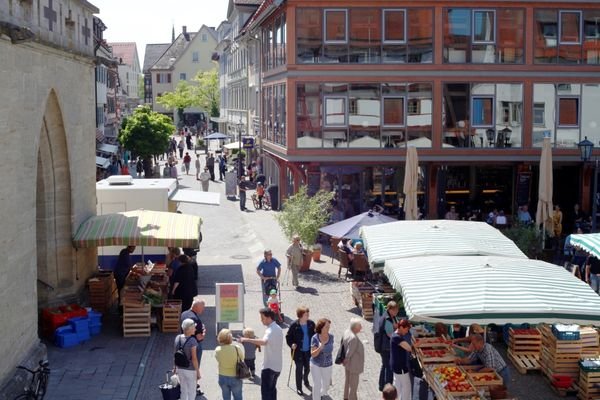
(350, 227)
(102, 162)
(233, 145)
(196, 197)
(589, 242)
(216, 135)
(107, 148)
(436, 237)
(139, 228)
(489, 290)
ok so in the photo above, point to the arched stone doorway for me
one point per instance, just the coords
(55, 272)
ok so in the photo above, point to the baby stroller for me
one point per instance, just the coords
(274, 302)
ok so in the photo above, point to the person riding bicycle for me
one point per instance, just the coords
(260, 192)
(268, 270)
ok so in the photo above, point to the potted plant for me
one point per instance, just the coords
(316, 252)
(304, 215)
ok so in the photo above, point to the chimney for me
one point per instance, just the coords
(186, 35)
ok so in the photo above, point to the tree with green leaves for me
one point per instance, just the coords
(146, 134)
(206, 91)
(180, 99)
(304, 215)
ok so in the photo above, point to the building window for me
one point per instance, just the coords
(393, 111)
(336, 26)
(163, 78)
(484, 26)
(335, 111)
(195, 57)
(413, 107)
(204, 37)
(568, 111)
(570, 27)
(539, 114)
(394, 26)
(482, 111)
(182, 76)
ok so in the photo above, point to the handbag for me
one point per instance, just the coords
(169, 390)
(241, 369)
(341, 354)
(180, 359)
(415, 366)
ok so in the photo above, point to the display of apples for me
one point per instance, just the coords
(435, 353)
(431, 342)
(526, 332)
(453, 379)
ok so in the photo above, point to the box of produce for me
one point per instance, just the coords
(485, 378)
(453, 380)
(435, 355)
(431, 342)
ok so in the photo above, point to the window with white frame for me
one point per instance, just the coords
(335, 111)
(482, 111)
(394, 111)
(511, 113)
(570, 27)
(394, 26)
(484, 26)
(335, 26)
(539, 114)
(195, 57)
(568, 111)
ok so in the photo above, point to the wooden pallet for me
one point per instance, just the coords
(170, 316)
(136, 321)
(525, 363)
(589, 385)
(526, 344)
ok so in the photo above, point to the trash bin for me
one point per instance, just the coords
(273, 191)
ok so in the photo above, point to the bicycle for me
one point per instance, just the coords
(266, 202)
(36, 389)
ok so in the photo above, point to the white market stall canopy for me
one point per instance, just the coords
(102, 162)
(196, 197)
(108, 148)
(488, 290)
(589, 242)
(435, 237)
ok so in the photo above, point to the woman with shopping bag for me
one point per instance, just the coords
(186, 360)
(228, 356)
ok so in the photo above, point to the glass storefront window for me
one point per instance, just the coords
(308, 115)
(484, 26)
(566, 37)
(482, 111)
(511, 35)
(309, 34)
(591, 36)
(365, 34)
(568, 112)
(544, 99)
(393, 111)
(419, 114)
(336, 28)
(590, 120)
(420, 36)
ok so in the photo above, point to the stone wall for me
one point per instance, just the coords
(47, 130)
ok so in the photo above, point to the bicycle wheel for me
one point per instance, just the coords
(255, 202)
(267, 203)
(42, 386)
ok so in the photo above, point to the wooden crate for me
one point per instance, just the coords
(525, 363)
(588, 381)
(445, 356)
(519, 343)
(101, 291)
(589, 337)
(170, 316)
(136, 321)
(431, 342)
(367, 306)
(476, 376)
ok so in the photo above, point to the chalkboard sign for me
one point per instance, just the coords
(314, 183)
(230, 184)
(523, 188)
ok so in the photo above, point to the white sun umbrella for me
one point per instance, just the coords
(544, 207)
(411, 183)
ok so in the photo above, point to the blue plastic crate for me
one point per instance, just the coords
(95, 329)
(81, 326)
(566, 335)
(64, 329)
(66, 339)
(95, 318)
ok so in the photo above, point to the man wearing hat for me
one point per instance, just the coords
(400, 350)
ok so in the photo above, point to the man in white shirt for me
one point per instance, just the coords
(273, 357)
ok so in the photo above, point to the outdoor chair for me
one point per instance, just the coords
(361, 267)
(333, 243)
(344, 262)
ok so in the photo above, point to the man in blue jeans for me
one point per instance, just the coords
(269, 270)
(272, 341)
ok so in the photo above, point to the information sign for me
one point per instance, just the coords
(229, 302)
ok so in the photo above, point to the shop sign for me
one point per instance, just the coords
(248, 143)
(229, 302)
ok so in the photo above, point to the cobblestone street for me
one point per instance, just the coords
(112, 367)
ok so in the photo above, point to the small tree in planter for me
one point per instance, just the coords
(304, 215)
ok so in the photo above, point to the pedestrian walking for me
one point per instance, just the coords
(205, 179)
(139, 167)
(197, 165)
(272, 341)
(187, 160)
(194, 313)
(399, 359)
(222, 166)
(269, 270)
(321, 361)
(188, 375)
(381, 341)
(295, 258)
(242, 191)
(228, 355)
(181, 147)
(184, 285)
(250, 350)
(298, 338)
(354, 360)
(210, 163)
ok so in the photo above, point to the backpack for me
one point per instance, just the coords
(180, 358)
(379, 336)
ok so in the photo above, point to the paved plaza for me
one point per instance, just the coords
(112, 367)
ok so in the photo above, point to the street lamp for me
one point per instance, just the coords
(585, 149)
(506, 132)
(239, 126)
(491, 136)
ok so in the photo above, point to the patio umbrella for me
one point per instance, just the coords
(349, 228)
(489, 290)
(590, 242)
(216, 135)
(544, 207)
(139, 228)
(411, 180)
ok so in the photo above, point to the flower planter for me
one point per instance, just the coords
(316, 255)
(306, 262)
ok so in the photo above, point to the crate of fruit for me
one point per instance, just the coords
(438, 355)
(431, 342)
(452, 380)
(485, 378)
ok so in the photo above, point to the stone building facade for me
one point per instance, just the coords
(47, 145)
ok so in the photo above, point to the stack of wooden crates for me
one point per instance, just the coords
(560, 358)
(169, 318)
(524, 349)
(589, 377)
(136, 320)
(103, 291)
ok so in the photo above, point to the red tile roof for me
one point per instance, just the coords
(259, 11)
(127, 51)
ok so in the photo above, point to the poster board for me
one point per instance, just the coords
(229, 302)
(230, 184)
(523, 188)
